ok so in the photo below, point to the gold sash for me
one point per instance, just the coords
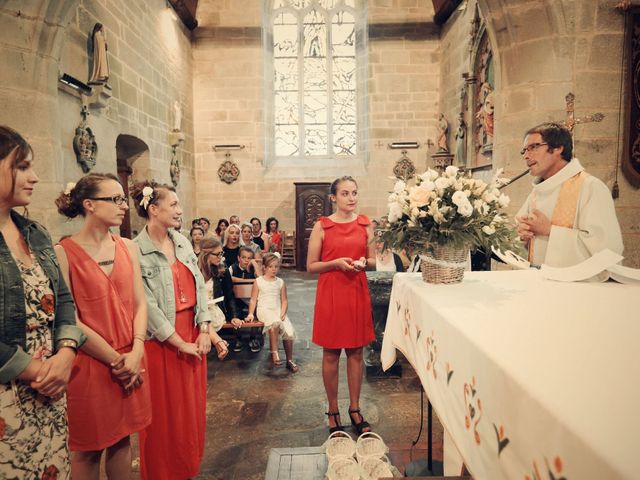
(564, 213)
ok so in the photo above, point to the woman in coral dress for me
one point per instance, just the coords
(171, 448)
(108, 399)
(340, 249)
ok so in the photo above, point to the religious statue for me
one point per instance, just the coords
(100, 71)
(461, 140)
(84, 143)
(174, 167)
(177, 116)
(443, 130)
(484, 115)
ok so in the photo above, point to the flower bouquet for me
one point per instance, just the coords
(442, 216)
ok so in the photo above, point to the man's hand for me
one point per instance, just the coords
(534, 224)
(53, 377)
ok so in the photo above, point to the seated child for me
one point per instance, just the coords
(270, 294)
(243, 275)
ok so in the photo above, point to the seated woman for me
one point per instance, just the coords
(223, 223)
(196, 234)
(274, 234)
(231, 245)
(246, 239)
(259, 237)
(386, 260)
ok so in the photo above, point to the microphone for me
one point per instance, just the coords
(517, 177)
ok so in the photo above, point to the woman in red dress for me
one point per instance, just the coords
(340, 249)
(107, 398)
(171, 448)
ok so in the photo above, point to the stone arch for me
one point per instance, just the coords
(133, 164)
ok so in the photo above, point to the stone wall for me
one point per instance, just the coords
(542, 51)
(149, 52)
(228, 95)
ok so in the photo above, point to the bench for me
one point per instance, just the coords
(254, 324)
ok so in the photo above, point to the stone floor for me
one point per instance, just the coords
(252, 408)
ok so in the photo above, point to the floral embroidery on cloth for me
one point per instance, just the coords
(33, 428)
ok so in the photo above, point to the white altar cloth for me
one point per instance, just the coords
(531, 378)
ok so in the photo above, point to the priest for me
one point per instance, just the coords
(569, 215)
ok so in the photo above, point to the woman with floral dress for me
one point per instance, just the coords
(38, 335)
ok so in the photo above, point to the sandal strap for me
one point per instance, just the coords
(332, 414)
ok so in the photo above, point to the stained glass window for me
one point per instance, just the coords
(313, 58)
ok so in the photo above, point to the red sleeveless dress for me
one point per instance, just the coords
(171, 448)
(342, 315)
(100, 412)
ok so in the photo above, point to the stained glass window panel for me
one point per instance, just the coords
(344, 107)
(285, 37)
(344, 74)
(315, 35)
(315, 140)
(286, 108)
(285, 74)
(327, 4)
(343, 35)
(315, 74)
(315, 107)
(286, 140)
(344, 139)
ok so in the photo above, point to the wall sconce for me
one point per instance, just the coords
(404, 145)
(227, 147)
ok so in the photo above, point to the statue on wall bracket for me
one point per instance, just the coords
(176, 137)
(84, 143)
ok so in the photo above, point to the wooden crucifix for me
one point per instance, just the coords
(571, 120)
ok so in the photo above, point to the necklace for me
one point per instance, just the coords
(106, 263)
(181, 296)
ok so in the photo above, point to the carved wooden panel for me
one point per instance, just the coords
(631, 154)
(312, 202)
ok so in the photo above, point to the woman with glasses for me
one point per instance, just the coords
(107, 397)
(179, 326)
(221, 299)
(38, 334)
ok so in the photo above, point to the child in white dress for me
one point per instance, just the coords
(270, 294)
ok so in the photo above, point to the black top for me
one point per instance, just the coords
(230, 255)
(259, 241)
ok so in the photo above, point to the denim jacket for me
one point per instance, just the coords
(13, 317)
(158, 284)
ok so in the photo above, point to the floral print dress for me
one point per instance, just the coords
(33, 428)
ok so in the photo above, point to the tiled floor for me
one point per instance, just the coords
(251, 408)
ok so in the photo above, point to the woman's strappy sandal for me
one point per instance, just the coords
(292, 366)
(359, 427)
(275, 359)
(336, 418)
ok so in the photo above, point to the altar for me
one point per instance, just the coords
(530, 378)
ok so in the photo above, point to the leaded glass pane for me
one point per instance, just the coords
(286, 140)
(315, 107)
(315, 140)
(286, 108)
(315, 35)
(344, 107)
(300, 3)
(285, 37)
(285, 74)
(343, 35)
(344, 139)
(327, 4)
(344, 74)
(280, 3)
(315, 74)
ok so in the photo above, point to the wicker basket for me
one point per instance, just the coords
(378, 468)
(339, 445)
(370, 445)
(344, 469)
(444, 264)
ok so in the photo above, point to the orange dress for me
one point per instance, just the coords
(100, 412)
(342, 314)
(171, 448)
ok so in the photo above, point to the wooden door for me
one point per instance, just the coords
(312, 202)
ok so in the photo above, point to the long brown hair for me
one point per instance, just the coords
(11, 140)
(207, 246)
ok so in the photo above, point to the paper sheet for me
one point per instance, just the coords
(511, 258)
(598, 263)
(623, 274)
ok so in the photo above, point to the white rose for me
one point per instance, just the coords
(489, 197)
(503, 200)
(466, 210)
(442, 183)
(395, 212)
(488, 229)
(418, 196)
(459, 198)
(451, 171)
(428, 185)
(399, 187)
(432, 174)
